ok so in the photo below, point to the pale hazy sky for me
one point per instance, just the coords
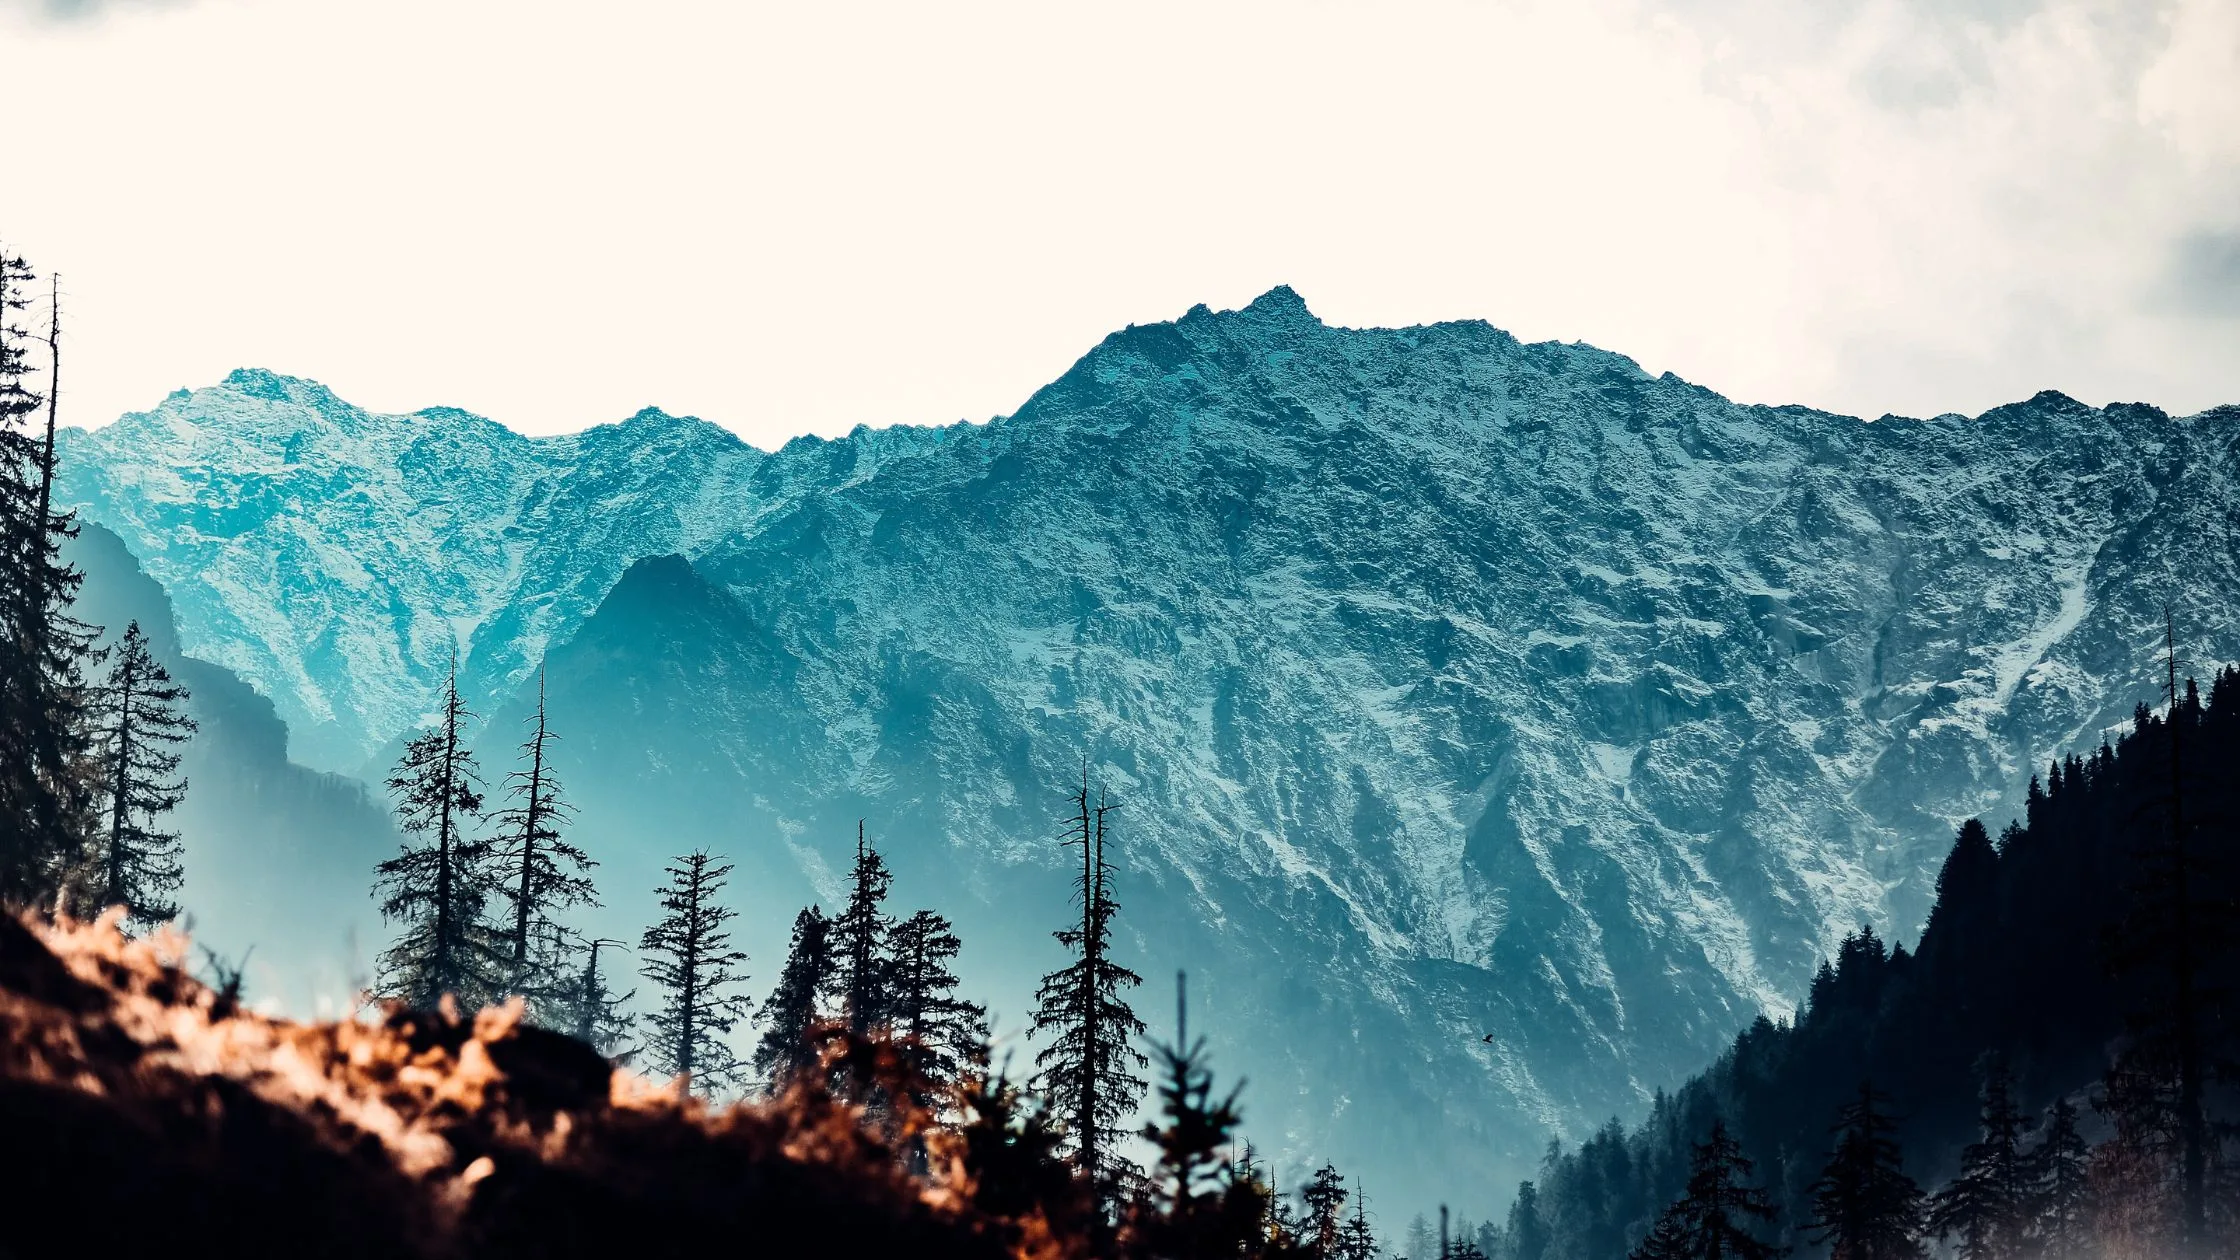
(798, 218)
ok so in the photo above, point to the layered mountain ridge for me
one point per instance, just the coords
(1453, 685)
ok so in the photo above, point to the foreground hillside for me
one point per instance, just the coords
(1453, 686)
(158, 1110)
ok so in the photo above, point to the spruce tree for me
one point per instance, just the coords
(938, 1030)
(2056, 1174)
(860, 942)
(1987, 1206)
(688, 956)
(138, 714)
(1201, 1200)
(1008, 1144)
(1865, 1207)
(1527, 1229)
(46, 788)
(1669, 1238)
(438, 885)
(539, 873)
(1089, 1068)
(1357, 1241)
(1715, 1218)
(586, 1009)
(785, 1052)
(1324, 1201)
(1423, 1241)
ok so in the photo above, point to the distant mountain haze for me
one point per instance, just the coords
(1449, 684)
(275, 853)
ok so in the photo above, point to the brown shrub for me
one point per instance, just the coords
(137, 1109)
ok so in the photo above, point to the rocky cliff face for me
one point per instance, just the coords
(1453, 686)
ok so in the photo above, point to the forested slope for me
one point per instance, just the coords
(2049, 945)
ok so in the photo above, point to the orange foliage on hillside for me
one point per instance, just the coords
(140, 1108)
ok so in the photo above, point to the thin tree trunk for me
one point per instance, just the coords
(1089, 1038)
(444, 976)
(691, 996)
(117, 803)
(54, 397)
(531, 820)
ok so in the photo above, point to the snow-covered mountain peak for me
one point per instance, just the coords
(1455, 684)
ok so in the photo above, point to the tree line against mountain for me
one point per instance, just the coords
(89, 733)
(861, 977)
(2093, 939)
(2059, 1057)
(866, 1004)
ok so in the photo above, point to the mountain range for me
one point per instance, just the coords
(1497, 728)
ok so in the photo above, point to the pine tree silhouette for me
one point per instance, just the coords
(1527, 1230)
(1324, 1200)
(589, 1011)
(1090, 1066)
(1357, 1241)
(1200, 1200)
(2056, 1175)
(438, 885)
(1713, 1219)
(1865, 1207)
(860, 942)
(46, 795)
(688, 956)
(539, 872)
(138, 713)
(1988, 1204)
(785, 1050)
(938, 1030)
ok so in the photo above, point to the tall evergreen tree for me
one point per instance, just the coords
(1202, 1200)
(540, 873)
(688, 956)
(2056, 1174)
(1987, 1206)
(1423, 1240)
(2131, 1187)
(438, 885)
(1865, 1207)
(46, 788)
(140, 719)
(2174, 947)
(939, 1031)
(1527, 1229)
(586, 1009)
(860, 942)
(1324, 1199)
(1090, 1065)
(1716, 1217)
(785, 1052)
(1357, 1241)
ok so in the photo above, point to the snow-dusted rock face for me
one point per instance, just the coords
(1453, 686)
(337, 558)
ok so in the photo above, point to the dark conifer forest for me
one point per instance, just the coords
(2053, 1058)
